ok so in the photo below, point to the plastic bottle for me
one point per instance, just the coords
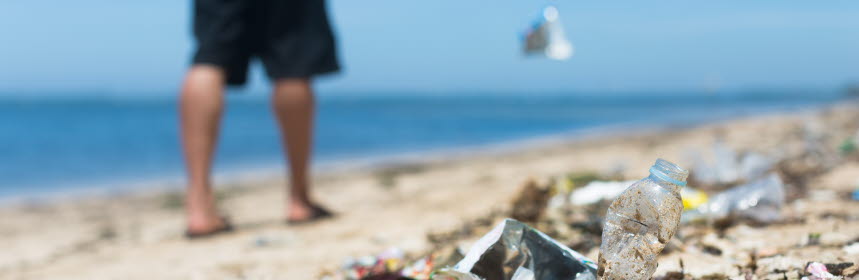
(760, 200)
(640, 222)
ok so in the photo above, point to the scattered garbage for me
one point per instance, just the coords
(754, 165)
(852, 249)
(640, 222)
(759, 200)
(386, 265)
(513, 250)
(561, 193)
(609, 190)
(692, 198)
(818, 272)
(598, 190)
(420, 269)
(546, 37)
(729, 168)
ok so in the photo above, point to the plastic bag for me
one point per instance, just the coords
(513, 250)
(546, 37)
(818, 272)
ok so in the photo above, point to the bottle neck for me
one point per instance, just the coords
(668, 175)
(671, 185)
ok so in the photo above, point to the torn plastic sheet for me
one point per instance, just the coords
(546, 37)
(515, 251)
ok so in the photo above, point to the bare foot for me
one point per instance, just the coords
(302, 212)
(203, 218)
(200, 224)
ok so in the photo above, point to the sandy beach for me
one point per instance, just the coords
(139, 235)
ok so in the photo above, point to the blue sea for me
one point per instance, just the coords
(48, 145)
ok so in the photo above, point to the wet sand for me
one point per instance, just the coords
(139, 235)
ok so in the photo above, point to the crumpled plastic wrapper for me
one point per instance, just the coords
(515, 251)
(818, 272)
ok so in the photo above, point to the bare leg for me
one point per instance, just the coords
(200, 105)
(293, 105)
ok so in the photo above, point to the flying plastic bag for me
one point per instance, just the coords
(546, 37)
(515, 251)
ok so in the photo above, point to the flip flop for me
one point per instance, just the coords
(319, 213)
(227, 227)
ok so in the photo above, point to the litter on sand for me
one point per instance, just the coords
(818, 272)
(759, 200)
(386, 264)
(513, 250)
(642, 219)
(598, 190)
(729, 167)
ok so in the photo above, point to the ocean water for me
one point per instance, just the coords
(49, 145)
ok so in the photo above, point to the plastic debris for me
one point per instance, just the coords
(754, 165)
(852, 249)
(729, 167)
(598, 190)
(546, 37)
(565, 185)
(640, 222)
(523, 274)
(692, 198)
(856, 195)
(818, 272)
(759, 200)
(513, 250)
(420, 269)
(386, 265)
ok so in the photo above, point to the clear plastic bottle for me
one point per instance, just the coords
(640, 222)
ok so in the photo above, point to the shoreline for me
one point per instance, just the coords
(253, 174)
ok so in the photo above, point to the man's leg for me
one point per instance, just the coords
(200, 105)
(293, 105)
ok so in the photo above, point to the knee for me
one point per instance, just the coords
(203, 81)
(292, 84)
(207, 74)
(293, 88)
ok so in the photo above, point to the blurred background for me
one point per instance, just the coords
(88, 88)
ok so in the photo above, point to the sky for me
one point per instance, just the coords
(131, 47)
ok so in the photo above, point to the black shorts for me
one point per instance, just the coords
(292, 37)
